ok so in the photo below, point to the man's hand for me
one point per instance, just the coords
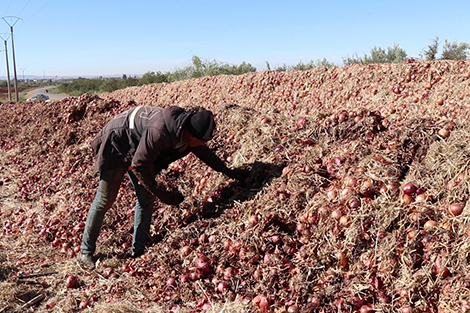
(170, 197)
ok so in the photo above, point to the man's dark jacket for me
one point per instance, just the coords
(148, 139)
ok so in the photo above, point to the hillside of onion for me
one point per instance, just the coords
(356, 201)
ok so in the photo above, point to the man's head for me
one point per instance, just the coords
(201, 126)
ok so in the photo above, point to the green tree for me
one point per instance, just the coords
(430, 54)
(396, 54)
(111, 84)
(200, 68)
(455, 50)
(355, 59)
(393, 54)
(301, 66)
(377, 55)
(324, 63)
(243, 68)
(268, 66)
(153, 78)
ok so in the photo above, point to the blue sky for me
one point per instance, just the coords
(114, 37)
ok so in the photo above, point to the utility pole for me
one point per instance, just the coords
(11, 24)
(22, 69)
(8, 68)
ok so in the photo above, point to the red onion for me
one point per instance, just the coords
(222, 287)
(409, 189)
(367, 309)
(406, 309)
(108, 271)
(354, 203)
(253, 220)
(456, 208)
(202, 265)
(83, 304)
(430, 225)
(171, 282)
(71, 281)
(184, 278)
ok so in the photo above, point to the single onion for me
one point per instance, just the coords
(342, 259)
(406, 309)
(344, 221)
(366, 309)
(315, 302)
(392, 186)
(71, 281)
(222, 287)
(444, 133)
(308, 169)
(293, 309)
(264, 303)
(430, 225)
(440, 269)
(456, 208)
(253, 220)
(336, 214)
(171, 282)
(184, 278)
(83, 304)
(107, 272)
(421, 198)
(276, 239)
(203, 266)
(407, 199)
(185, 251)
(409, 189)
(332, 193)
(354, 203)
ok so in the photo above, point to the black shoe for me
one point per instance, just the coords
(86, 260)
(136, 254)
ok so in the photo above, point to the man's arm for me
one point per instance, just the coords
(206, 155)
(150, 146)
(146, 176)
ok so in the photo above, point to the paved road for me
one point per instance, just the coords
(42, 90)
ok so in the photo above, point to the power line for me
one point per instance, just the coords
(8, 6)
(24, 7)
(40, 9)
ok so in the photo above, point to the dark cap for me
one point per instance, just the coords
(201, 125)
